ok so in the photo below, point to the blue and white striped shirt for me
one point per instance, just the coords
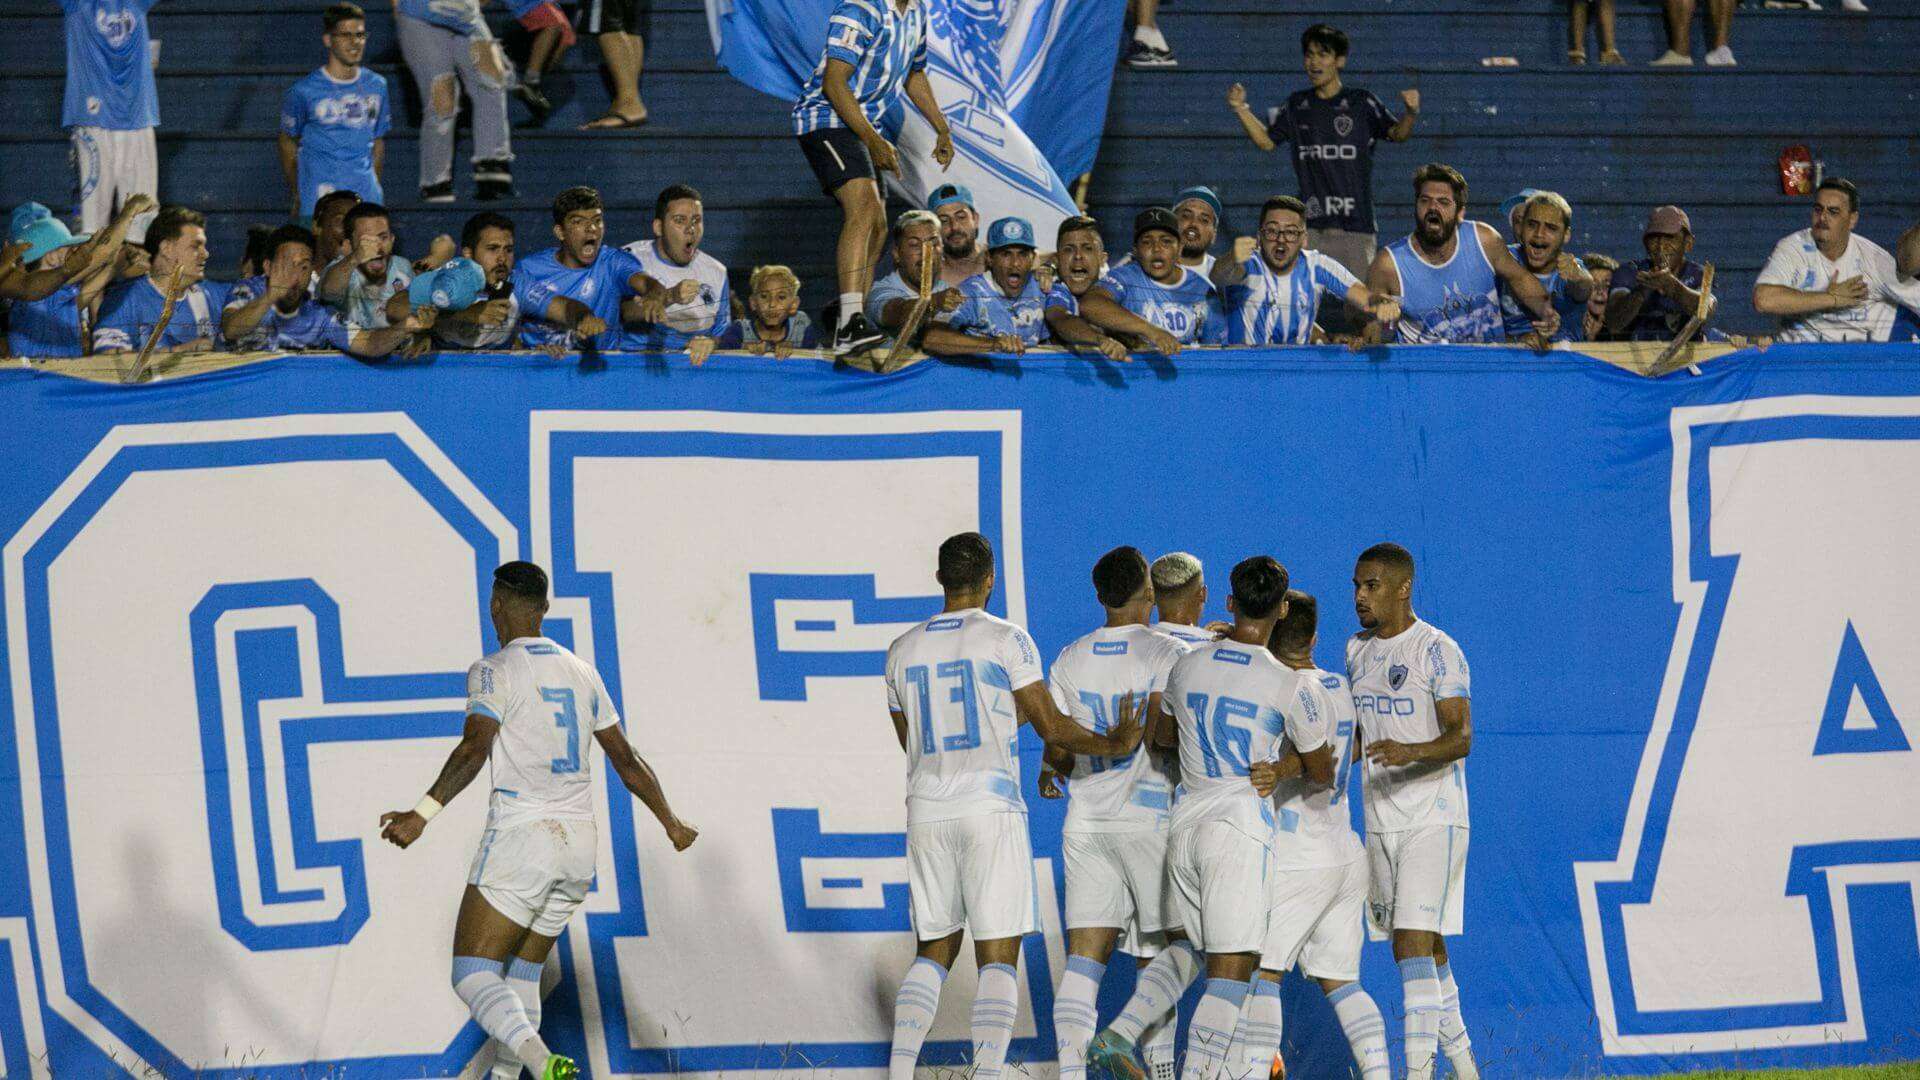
(1278, 309)
(883, 43)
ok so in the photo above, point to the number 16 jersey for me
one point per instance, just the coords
(548, 703)
(1235, 705)
(953, 678)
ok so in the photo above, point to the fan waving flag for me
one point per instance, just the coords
(1023, 83)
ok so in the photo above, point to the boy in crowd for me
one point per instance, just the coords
(1158, 288)
(775, 324)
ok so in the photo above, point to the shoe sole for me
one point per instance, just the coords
(860, 345)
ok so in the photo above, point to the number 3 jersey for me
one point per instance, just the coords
(549, 703)
(1396, 681)
(953, 678)
(1235, 705)
(1090, 679)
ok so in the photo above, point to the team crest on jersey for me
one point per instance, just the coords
(1343, 126)
(1396, 675)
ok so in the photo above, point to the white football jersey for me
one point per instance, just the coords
(953, 677)
(1396, 680)
(1314, 828)
(1089, 679)
(549, 703)
(1797, 263)
(1190, 635)
(1235, 704)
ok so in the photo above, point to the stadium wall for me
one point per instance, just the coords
(238, 609)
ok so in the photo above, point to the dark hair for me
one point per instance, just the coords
(1259, 586)
(1118, 575)
(966, 561)
(1844, 187)
(1284, 202)
(523, 580)
(480, 222)
(1294, 632)
(1436, 173)
(573, 200)
(364, 211)
(284, 235)
(1390, 555)
(324, 204)
(168, 224)
(1078, 223)
(339, 13)
(671, 194)
(1331, 38)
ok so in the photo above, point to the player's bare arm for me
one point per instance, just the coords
(920, 92)
(1035, 706)
(1456, 738)
(402, 827)
(639, 778)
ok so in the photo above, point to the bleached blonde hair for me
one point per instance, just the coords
(1549, 198)
(774, 272)
(1175, 571)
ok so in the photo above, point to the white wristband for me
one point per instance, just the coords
(427, 808)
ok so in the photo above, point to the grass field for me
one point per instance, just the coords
(1905, 1071)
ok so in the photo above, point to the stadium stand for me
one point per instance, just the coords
(1614, 140)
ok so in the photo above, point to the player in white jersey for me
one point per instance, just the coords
(530, 708)
(1180, 595)
(1114, 842)
(1317, 889)
(1233, 705)
(958, 688)
(1410, 690)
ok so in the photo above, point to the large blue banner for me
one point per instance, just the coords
(238, 609)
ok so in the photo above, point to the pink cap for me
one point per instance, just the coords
(1668, 219)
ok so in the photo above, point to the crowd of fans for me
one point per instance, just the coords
(1311, 272)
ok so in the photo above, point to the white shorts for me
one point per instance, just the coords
(538, 872)
(1314, 920)
(1119, 879)
(109, 165)
(1220, 874)
(1418, 880)
(972, 872)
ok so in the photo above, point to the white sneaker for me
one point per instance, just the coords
(1721, 57)
(1853, 5)
(1672, 59)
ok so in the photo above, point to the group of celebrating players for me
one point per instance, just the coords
(1207, 830)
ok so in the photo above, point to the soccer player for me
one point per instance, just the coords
(1272, 295)
(1180, 595)
(530, 707)
(492, 321)
(1317, 890)
(573, 291)
(1829, 283)
(961, 255)
(1411, 691)
(958, 687)
(369, 283)
(1234, 705)
(1156, 287)
(696, 304)
(110, 109)
(1446, 284)
(1004, 301)
(448, 46)
(1114, 842)
(1546, 219)
(176, 247)
(333, 123)
(274, 312)
(1601, 267)
(1080, 313)
(876, 49)
(775, 323)
(1333, 128)
(62, 276)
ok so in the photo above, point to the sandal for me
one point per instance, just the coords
(1612, 56)
(613, 121)
(1576, 56)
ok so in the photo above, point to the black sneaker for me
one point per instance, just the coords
(441, 192)
(535, 101)
(1145, 57)
(492, 180)
(857, 335)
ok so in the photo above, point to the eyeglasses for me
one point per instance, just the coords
(1276, 233)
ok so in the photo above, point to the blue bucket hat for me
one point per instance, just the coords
(453, 287)
(35, 226)
(1009, 232)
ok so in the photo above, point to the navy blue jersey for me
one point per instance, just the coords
(1332, 142)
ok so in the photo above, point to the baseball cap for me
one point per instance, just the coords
(1667, 219)
(35, 226)
(453, 287)
(949, 193)
(1206, 195)
(1009, 232)
(1155, 217)
(1513, 201)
